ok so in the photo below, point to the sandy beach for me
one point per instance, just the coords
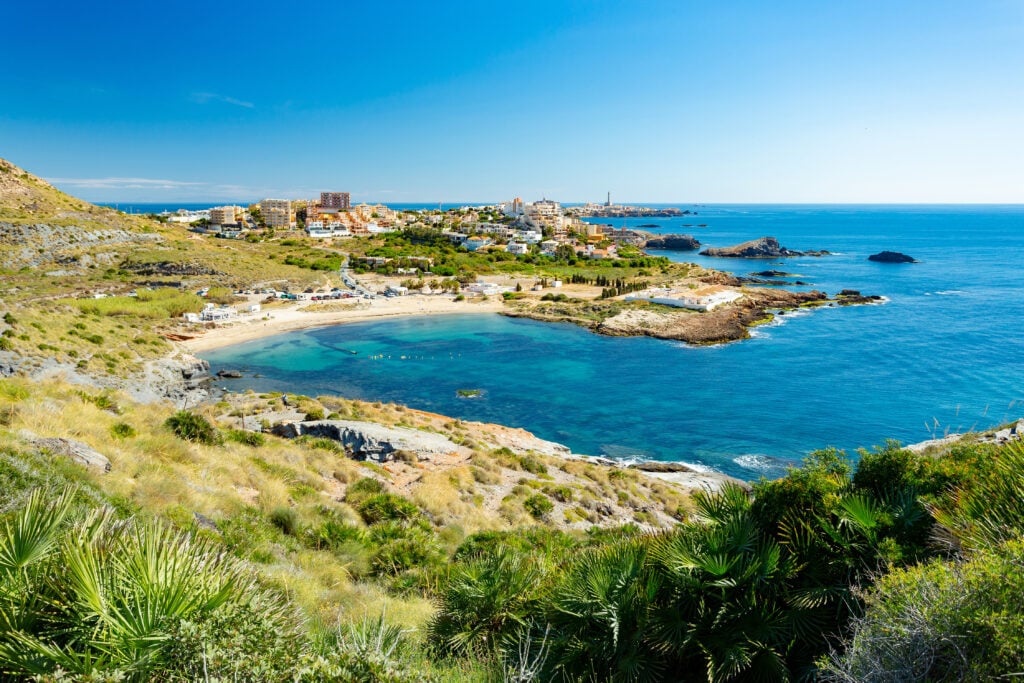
(305, 314)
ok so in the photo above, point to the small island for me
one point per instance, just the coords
(469, 393)
(764, 247)
(891, 257)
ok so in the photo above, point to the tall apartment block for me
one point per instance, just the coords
(277, 213)
(223, 215)
(335, 200)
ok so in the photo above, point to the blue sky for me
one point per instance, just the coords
(837, 101)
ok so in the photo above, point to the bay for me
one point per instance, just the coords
(943, 354)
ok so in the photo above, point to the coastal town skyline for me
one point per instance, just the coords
(661, 103)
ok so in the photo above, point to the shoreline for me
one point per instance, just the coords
(298, 317)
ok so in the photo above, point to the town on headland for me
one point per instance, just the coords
(290, 509)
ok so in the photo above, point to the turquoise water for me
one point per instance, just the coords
(945, 353)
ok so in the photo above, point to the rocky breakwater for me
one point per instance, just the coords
(371, 441)
(764, 247)
(673, 242)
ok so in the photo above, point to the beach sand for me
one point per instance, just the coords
(306, 314)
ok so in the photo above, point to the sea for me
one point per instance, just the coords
(943, 354)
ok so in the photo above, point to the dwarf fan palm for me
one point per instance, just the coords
(110, 590)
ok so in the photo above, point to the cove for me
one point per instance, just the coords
(942, 355)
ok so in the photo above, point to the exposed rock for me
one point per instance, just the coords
(674, 242)
(368, 440)
(76, 451)
(891, 257)
(204, 522)
(773, 273)
(653, 466)
(181, 378)
(229, 374)
(852, 297)
(764, 247)
(32, 245)
(169, 268)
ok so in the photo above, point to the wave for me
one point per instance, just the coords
(756, 461)
(696, 467)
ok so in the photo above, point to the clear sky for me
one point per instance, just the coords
(674, 101)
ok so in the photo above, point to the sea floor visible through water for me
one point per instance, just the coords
(942, 355)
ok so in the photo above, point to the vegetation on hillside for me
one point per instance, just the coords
(898, 567)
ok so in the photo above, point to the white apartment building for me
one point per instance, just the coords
(224, 215)
(277, 213)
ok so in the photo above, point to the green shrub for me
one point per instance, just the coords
(531, 464)
(122, 430)
(945, 621)
(287, 520)
(361, 489)
(192, 427)
(538, 506)
(382, 507)
(247, 438)
(403, 554)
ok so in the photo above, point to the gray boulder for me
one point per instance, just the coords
(77, 451)
(367, 440)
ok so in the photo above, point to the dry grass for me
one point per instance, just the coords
(238, 486)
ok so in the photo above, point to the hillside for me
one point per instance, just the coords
(255, 537)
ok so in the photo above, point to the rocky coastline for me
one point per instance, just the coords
(763, 247)
(727, 323)
(674, 242)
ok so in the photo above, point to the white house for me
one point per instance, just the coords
(518, 248)
(697, 300)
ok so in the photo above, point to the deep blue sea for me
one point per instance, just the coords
(946, 353)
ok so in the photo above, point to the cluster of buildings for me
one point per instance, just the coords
(515, 226)
(702, 299)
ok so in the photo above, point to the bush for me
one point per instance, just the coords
(941, 622)
(287, 520)
(532, 465)
(122, 430)
(538, 506)
(361, 489)
(247, 438)
(387, 506)
(192, 427)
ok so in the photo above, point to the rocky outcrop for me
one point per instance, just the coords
(853, 297)
(37, 244)
(723, 324)
(371, 441)
(169, 268)
(181, 379)
(674, 242)
(772, 273)
(891, 257)
(74, 450)
(764, 247)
